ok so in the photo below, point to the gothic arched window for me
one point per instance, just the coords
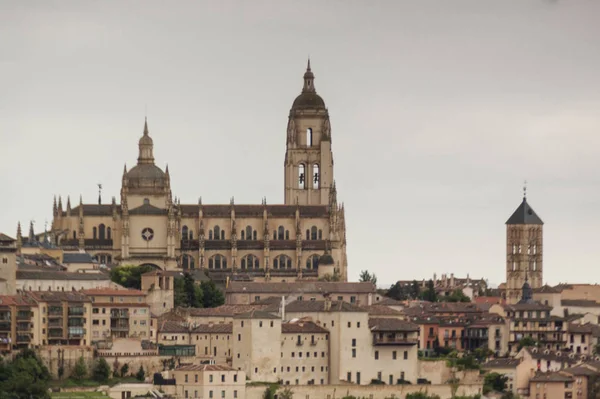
(282, 262)
(184, 233)
(248, 232)
(250, 262)
(307, 235)
(312, 263)
(280, 233)
(102, 232)
(108, 233)
(217, 232)
(254, 235)
(309, 137)
(287, 234)
(191, 234)
(94, 232)
(242, 235)
(74, 235)
(320, 234)
(210, 236)
(301, 176)
(217, 262)
(313, 233)
(187, 262)
(316, 176)
(222, 234)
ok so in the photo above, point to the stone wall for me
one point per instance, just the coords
(67, 356)
(437, 372)
(367, 391)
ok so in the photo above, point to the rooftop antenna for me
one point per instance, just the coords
(99, 193)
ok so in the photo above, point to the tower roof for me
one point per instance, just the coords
(524, 215)
(308, 99)
(146, 174)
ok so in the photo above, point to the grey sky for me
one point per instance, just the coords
(439, 111)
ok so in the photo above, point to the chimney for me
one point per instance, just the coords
(327, 302)
(282, 308)
(452, 280)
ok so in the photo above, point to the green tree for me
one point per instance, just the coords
(25, 377)
(124, 370)
(429, 294)
(456, 296)
(397, 292)
(366, 277)
(415, 290)
(141, 374)
(101, 371)
(80, 370)
(421, 395)
(129, 276)
(331, 277)
(526, 341)
(211, 295)
(193, 292)
(494, 382)
(286, 393)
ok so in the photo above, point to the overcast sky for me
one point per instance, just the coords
(439, 111)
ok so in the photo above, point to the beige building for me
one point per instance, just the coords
(61, 318)
(8, 265)
(53, 280)
(119, 314)
(213, 341)
(16, 322)
(524, 251)
(210, 382)
(304, 353)
(277, 242)
(553, 385)
(79, 262)
(159, 286)
(243, 293)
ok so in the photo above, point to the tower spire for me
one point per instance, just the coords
(146, 146)
(309, 80)
(525, 190)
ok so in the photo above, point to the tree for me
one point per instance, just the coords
(211, 295)
(101, 370)
(129, 276)
(366, 277)
(25, 377)
(429, 294)
(193, 292)
(80, 370)
(397, 292)
(456, 296)
(494, 382)
(421, 395)
(141, 374)
(415, 290)
(526, 341)
(124, 370)
(331, 277)
(286, 393)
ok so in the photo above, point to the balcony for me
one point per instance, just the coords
(23, 338)
(76, 332)
(55, 333)
(119, 314)
(5, 315)
(55, 323)
(55, 311)
(24, 315)
(5, 326)
(313, 343)
(24, 326)
(119, 327)
(76, 311)
(299, 343)
(377, 340)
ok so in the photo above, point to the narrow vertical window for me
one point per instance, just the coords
(248, 233)
(280, 232)
(102, 232)
(301, 176)
(108, 233)
(217, 231)
(316, 176)
(94, 232)
(184, 233)
(309, 137)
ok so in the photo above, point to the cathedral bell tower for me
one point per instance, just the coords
(524, 251)
(308, 158)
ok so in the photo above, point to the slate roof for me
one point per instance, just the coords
(147, 209)
(551, 377)
(93, 210)
(255, 210)
(387, 324)
(256, 314)
(501, 363)
(59, 275)
(524, 215)
(77, 257)
(302, 326)
(214, 328)
(320, 306)
(580, 370)
(300, 287)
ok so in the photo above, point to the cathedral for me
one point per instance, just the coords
(303, 238)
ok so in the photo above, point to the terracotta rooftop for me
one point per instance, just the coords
(321, 306)
(223, 310)
(57, 296)
(581, 369)
(170, 273)
(389, 302)
(256, 314)
(551, 377)
(205, 367)
(300, 287)
(501, 363)
(583, 303)
(387, 324)
(113, 292)
(18, 300)
(382, 310)
(546, 289)
(302, 326)
(169, 326)
(60, 275)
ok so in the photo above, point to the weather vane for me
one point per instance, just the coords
(99, 193)
(525, 189)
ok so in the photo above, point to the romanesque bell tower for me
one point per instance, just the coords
(524, 251)
(308, 158)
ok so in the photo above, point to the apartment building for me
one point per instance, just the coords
(304, 353)
(213, 341)
(210, 382)
(16, 322)
(582, 338)
(64, 318)
(119, 313)
(552, 385)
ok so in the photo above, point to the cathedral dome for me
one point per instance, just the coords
(146, 174)
(308, 99)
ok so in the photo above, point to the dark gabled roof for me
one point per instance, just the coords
(58, 275)
(302, 326)
(583, 303)
(524, 215)
(580, 370)
(551, 377)
(77, 257)
(382, 310)
(321, 306)
(170, 326)
(300, 287)
(5, 238)
(93, 210)
(147, 209)
(501, 363)
(390, 325)
(58, 296)
(215, 328)
(256, 314)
